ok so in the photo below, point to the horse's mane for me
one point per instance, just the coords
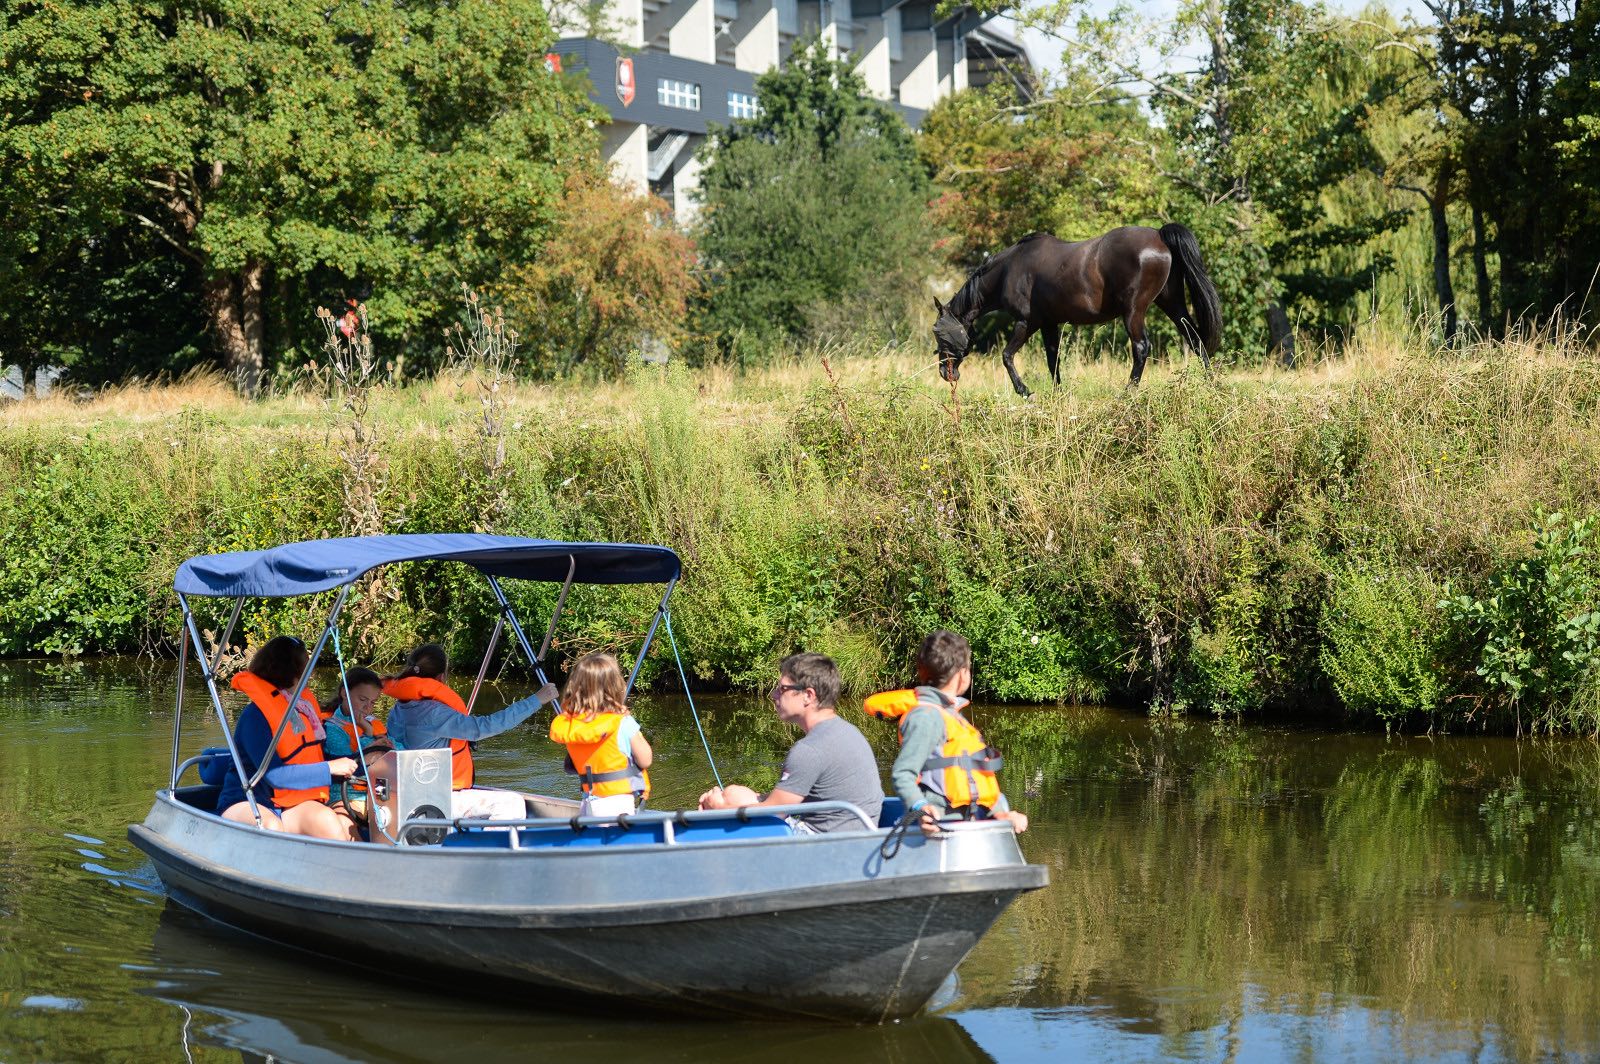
(965, 301)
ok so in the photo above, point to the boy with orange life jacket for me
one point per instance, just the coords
(429, 715)
(605, 747)
(292, 794)
(945, 768)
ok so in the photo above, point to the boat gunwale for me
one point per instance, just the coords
(165, 795)
(1004, 879)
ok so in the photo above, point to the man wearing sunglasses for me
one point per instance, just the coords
(832, 762)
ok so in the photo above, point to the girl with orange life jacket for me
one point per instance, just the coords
(605, 748)
(292, 794)
(351, 728)
(429, 715)
(945, 767)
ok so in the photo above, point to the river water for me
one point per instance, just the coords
(1217, 894)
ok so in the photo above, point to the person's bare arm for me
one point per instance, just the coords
(639, 747)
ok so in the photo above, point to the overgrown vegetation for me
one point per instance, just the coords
(1354, 541)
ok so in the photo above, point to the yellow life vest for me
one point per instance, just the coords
(962, 773)
(602, 768)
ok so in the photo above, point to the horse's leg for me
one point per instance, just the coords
(1134, 322)
(1019, 336)
(1052, 351)
(1171, 301)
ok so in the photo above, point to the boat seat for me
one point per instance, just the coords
(558, 836)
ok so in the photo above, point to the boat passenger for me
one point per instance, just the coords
(945, 769)
(351, 728)
(605, 747)
(429, 715)
(831, 762)
(292, 795)
(365, 687)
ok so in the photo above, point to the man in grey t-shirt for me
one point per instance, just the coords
(831, 762)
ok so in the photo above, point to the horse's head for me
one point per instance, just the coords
(951, 338)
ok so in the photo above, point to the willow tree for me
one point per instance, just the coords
(283, 153)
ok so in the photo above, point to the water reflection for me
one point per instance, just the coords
(1216, 894)
(244, 994)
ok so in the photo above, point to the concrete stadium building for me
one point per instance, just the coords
(689, 64)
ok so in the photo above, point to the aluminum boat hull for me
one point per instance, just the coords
(819, 927)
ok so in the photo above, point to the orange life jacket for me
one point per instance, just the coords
(962, 772)
(415, 689)
(602, 768)
(297, 742)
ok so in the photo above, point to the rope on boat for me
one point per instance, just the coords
(890, 847)
(683, 676)
(361, 761)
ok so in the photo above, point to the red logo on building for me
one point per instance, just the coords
(625, 86)
(552, 62)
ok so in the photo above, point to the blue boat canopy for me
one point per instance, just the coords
(320, 564)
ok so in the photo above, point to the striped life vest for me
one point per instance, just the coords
(961, 774)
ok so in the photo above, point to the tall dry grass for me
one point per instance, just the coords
(1227, 541)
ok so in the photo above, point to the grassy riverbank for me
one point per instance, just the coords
(1251, 542)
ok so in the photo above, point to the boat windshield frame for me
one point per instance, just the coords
(482, 552)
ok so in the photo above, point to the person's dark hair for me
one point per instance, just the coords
(428, 661)
(943, 654)
(816, 671)
(352, 678)
(280, 661)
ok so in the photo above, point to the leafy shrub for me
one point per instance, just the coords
(615, 277)
(1382, 644)
(1538, 626)
(817, 202)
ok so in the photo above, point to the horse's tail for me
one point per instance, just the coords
(1207, 307)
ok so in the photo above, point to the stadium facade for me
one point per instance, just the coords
(685, 65)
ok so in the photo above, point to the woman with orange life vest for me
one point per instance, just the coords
(293, 793)
(605, 747)
(944, 768)
(429, 715)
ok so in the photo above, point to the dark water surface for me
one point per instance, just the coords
(1217, 894)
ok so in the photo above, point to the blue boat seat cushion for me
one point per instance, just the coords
(757, 827)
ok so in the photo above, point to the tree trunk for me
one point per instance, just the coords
(233, 304)
(1280, 335)
(1437, 204)
(1480, 271)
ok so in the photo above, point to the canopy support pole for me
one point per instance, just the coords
(561, 602)
(299, 689)
(177, 716)
(488, 656)
(209, 673)
(522, 637)
(661, 611)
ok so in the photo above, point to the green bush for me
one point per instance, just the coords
(1383, 645)
(1539, 623)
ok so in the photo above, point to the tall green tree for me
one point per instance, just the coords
(1525, 74)
(281, 153)
(813, 211)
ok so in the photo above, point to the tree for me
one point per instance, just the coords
(816, 203)
(285, 153)
(1008, 170)
(614, 274)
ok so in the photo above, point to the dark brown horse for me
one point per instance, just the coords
(1042, 283)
